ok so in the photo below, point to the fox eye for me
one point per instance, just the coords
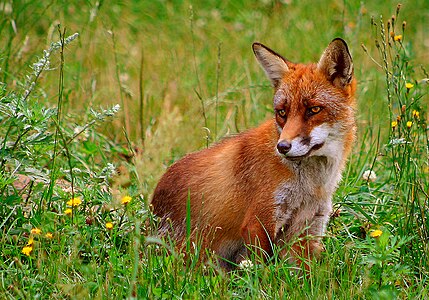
(314, 110)
(281, 113)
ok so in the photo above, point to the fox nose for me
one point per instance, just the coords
(283, 147)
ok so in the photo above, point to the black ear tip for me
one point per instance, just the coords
(256, 46)
(339, 41)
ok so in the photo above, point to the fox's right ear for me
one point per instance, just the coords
(274, 65)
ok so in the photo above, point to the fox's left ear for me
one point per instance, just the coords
(336, 63)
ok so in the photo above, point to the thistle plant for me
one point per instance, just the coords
(42, 165)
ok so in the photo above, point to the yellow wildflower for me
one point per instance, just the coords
(68, 211)
(376, 233)
(109, 225)
(394, 124)
(125, 200)
(409, 124)
(49, 235)
(27, 250)
(74, 202)
(30, 242)
(409, 85)
(35, 231)
(416, 114)
(397, 37)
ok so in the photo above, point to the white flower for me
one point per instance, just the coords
(369, 175)
(245, 264)
(399, 141)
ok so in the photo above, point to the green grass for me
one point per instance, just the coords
(184, 76)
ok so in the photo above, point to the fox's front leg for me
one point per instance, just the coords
(309, 243)
(256, 231)
(318, 226)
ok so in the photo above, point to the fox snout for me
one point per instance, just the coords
(285, 148)
(303, 146)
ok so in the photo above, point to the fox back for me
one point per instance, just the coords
(274, 183)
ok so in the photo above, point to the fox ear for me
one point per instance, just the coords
(274, 65)
(336, 63)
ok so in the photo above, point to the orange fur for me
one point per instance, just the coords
(251, 189)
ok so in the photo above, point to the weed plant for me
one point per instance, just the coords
(89, 124)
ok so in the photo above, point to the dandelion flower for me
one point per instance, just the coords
(397, 37)
(68, 211)
(49, 235)
(125, 200)
(35, 231)
(394, 124)
(376, 233)
(416, 114)
(369, 175)
(30, 242)
(409, 124)
(245, 264)
(27, 250)
(74, 202)
(109, 225)
(409, 85)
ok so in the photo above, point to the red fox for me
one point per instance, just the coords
(272, 184)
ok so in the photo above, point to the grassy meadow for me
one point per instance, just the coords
(98, 98)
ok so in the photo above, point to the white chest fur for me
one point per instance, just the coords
(305, 198)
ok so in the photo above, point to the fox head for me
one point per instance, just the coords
(313, 103)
